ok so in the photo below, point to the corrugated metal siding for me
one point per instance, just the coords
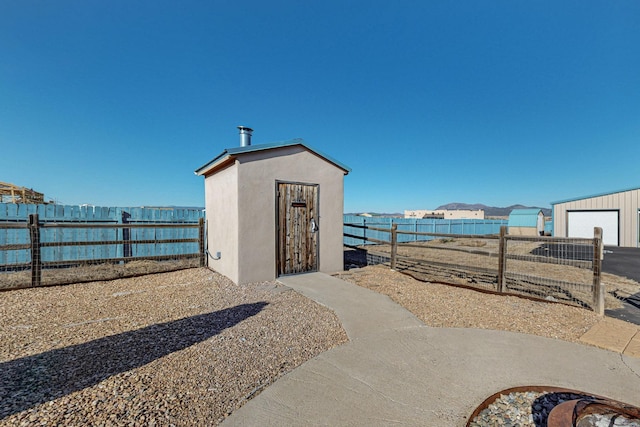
(626, 202)
(524, 218)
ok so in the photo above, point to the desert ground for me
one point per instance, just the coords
(188, 347)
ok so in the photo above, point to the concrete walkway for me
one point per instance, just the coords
(395, 370)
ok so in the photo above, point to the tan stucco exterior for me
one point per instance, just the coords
(626, 203)
(240, 200)
(222, 220)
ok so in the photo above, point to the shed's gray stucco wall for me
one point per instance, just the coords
(221, 211)
(250, 235)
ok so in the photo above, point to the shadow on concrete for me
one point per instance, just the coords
(32, 380)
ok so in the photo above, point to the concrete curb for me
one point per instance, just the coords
(614, 335)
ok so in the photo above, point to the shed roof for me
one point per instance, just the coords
(595, 195)
(230, 154)
(528, 211)
(524, 217)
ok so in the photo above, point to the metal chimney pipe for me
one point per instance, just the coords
(245, 136)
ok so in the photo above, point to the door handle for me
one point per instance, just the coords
(314, 226)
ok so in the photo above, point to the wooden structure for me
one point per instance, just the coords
(484, 271)
(108, 242)
(54, 247)
(297, 217)
(11, 193)
(273, 209)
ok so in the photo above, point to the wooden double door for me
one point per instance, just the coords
(297, 227)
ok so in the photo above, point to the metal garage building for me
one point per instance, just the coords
(618, 213)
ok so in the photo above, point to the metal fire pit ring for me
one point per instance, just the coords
(553, 407)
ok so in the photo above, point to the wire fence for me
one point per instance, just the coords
(556, 269)
(564, 270)
(35, 253)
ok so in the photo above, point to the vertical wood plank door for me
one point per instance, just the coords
(297, 228)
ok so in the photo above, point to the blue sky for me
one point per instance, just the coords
(429, 102)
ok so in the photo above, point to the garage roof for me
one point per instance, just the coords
(594, 195)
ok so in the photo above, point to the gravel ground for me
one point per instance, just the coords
(446, 306)
(189, 347)
(181, 348)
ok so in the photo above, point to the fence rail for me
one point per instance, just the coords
(61, 253)
(359, 230)
(558, 269)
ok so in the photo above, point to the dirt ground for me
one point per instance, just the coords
(93, 272)
(188, 347)
(446, 306)
(474, 262)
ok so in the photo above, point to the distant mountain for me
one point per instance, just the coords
(491, 210)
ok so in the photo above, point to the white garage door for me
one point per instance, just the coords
(580, 224)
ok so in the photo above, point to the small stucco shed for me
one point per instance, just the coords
(526, 222)
(273, 209)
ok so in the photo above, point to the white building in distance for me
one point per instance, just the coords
(445, 214)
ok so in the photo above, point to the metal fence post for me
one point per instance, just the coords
(201, 235)
(36, 257)
(502, 259)
(364, 231)
(126, 236)
(394, 245)
(598, 286)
